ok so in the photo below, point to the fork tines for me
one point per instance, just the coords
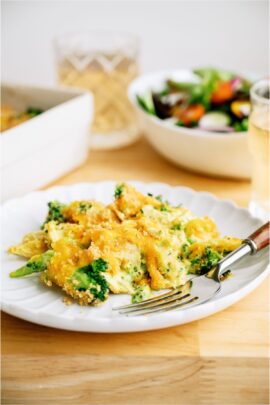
(174, 299)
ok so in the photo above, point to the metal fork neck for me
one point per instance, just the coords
(233, 257)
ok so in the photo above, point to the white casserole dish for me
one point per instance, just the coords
(46, 147)
(212, 153)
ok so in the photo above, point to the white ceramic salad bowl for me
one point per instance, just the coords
(212, 153)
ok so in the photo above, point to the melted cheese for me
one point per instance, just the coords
(140, 238)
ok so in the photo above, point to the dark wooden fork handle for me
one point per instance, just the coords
(260, 237)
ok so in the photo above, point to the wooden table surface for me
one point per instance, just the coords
(222, 359)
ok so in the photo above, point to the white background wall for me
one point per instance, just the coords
(230, 34)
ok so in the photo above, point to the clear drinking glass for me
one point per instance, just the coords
(105, 64)
(258, 139)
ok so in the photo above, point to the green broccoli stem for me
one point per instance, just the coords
(23, 271)
(37, 264)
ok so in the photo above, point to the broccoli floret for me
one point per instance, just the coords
(118, 191)
(164, 208)
(55, 212)
(176, 227)
(99, 265)
(195, 261)
(84, 206)
(211, 258)
(90, 278)
(202, 265)
(35, 265)
(159, 198)
(34, 111)
(184, 251)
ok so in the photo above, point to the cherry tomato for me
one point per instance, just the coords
(191, 114)
(222, 93)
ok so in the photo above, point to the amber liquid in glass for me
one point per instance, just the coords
(107, 77)
(259, 136)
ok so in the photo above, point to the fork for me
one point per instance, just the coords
(203, 287)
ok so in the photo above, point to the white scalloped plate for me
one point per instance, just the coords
(30, 300)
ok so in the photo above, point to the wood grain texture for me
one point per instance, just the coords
(42, 340)
(219, 360)
(134, 380)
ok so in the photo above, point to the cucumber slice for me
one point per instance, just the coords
(213, 120)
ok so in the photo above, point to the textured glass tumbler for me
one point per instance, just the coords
(259, 141)
(104, 64)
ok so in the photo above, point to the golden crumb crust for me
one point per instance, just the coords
(137, 244)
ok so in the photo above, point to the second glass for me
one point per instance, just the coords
(104, 64)
(259, 140)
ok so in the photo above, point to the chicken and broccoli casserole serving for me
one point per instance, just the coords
(136, 245)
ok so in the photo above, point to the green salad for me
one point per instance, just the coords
(218, 101)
